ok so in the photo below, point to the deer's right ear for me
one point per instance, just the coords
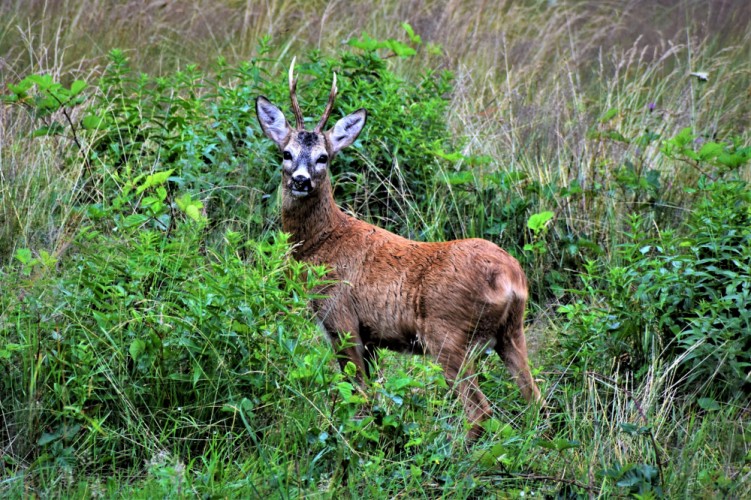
(272, 121)
(346, 130)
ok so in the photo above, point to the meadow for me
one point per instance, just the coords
(155, 339)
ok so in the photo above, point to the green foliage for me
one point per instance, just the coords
(140, 326)
(44, 98)
(154, 335)
(682, 294)
(640, 480)
(201, 127)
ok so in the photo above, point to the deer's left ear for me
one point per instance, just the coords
(272, 121)
(346, 130)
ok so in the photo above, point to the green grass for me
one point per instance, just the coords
(154, 334)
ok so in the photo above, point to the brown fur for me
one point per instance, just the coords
(445, 299)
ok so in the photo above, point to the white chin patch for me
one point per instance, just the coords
(299, 194)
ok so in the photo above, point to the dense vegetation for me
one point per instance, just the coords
(154, 334)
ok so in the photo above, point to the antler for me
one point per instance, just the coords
(293, 96)
(329, 107)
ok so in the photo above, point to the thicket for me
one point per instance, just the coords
(163, 327)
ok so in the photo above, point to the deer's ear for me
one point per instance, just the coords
(272, 121)
(346, 130)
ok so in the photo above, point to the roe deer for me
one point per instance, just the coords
(445, 299)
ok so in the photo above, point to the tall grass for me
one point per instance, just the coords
(533, 78)
(550, 108)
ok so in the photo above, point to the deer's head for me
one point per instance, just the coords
(306, 155)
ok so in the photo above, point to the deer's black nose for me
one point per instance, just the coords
(301, 180)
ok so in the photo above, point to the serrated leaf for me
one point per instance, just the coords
(710, 150)
(41, 81)
(193, 212)
(21, 87)
(683, 137)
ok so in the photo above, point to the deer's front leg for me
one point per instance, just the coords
(348, 347)
(342, 327)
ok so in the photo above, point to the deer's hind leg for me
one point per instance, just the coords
(511, 346)
(460, 375)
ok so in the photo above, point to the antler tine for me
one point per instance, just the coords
(293, 95)
(329, 106)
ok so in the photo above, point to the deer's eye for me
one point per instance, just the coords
(287, 155)
(322, 159)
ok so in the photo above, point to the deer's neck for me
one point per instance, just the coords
(310, 220)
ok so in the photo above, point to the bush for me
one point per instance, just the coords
(172, 312)
(146, 334)
(681, 294)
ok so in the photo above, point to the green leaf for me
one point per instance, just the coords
(452, 157)
(491, 457)
(155, 179)
(411, 34)
(683, 137)
(350, 369)
(400, 49)
(366, 43)
(191, 208)
(76, 87)
(630, 429)
(135, 220)
(345, 389)
(47, 438)
(460, 178)
(21, 88)
(708, 404)
(92, 122)
(23, 255)
(194, 212)
(558, 444)
(537, 222)
(54, 128)
(609, 114)
(137, 347)
(41, 81)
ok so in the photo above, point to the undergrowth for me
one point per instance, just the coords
(155, 334)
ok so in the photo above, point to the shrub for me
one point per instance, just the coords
(682, 294)
(145, 334)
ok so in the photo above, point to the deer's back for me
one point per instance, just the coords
(399, 287)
